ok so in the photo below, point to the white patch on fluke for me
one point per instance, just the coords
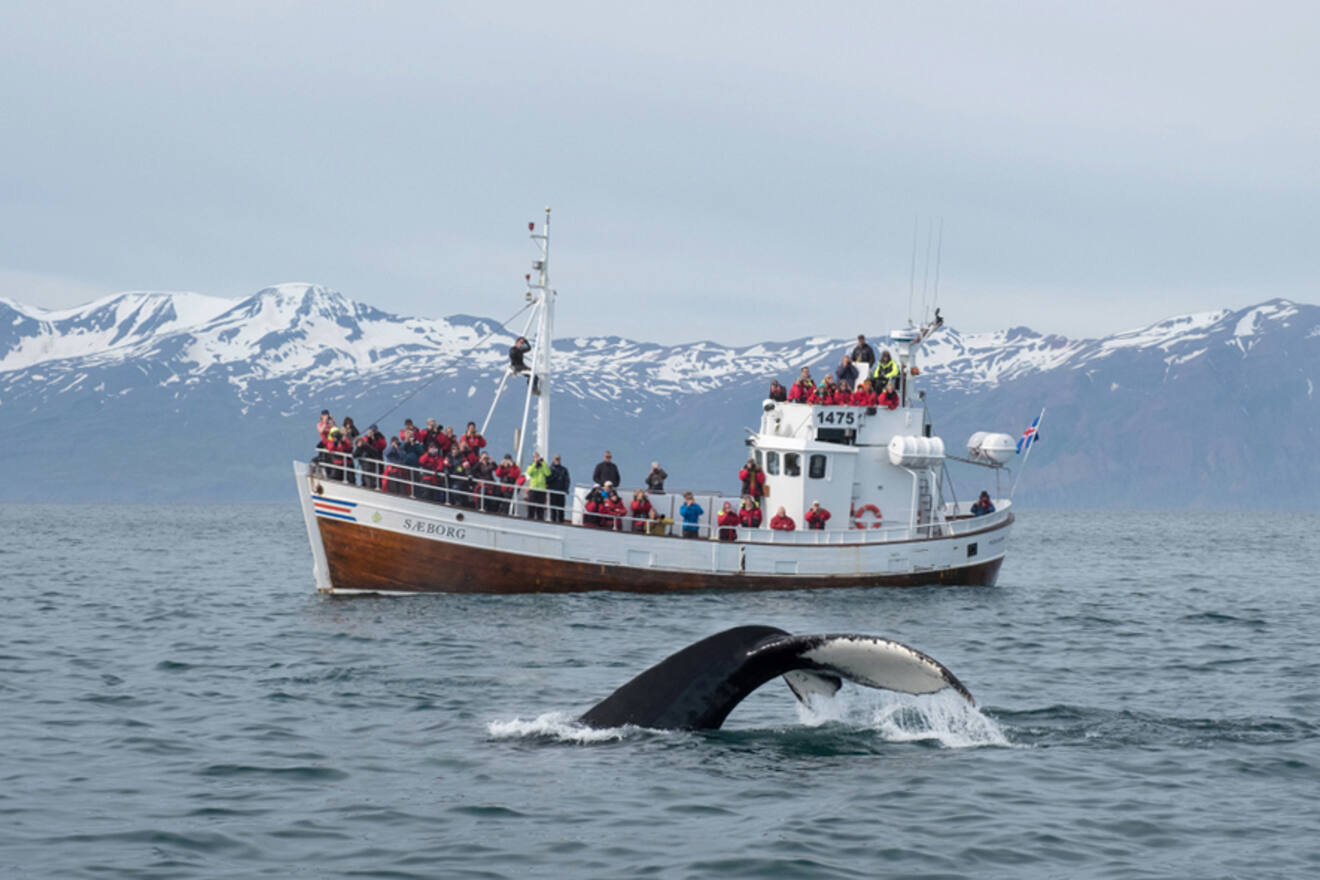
(880, 663)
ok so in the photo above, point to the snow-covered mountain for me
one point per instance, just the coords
(177, 396)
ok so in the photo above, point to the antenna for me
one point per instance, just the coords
(925, 274)
(912, 274)
(939, 252)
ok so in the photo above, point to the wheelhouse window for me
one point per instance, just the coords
(756, 453)
(816, 467)
(792, 464)
(772, 463)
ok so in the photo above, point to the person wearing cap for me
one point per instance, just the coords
(782, 522)
(369, 450)
(558, 482)
(983, 505)
(655, 480)
(778, 392)
(691, 513)
(606, 471)
(817, 516)
(863, 395)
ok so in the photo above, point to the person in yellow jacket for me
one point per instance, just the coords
(886, 370)
(537, 472)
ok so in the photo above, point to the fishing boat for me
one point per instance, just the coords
(882, 472)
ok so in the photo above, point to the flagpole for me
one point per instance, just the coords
(1036, 424)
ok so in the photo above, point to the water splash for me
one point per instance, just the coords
(557, 726)
(945, 717)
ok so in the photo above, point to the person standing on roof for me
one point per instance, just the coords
(778, 393)
(863, 353)
(655, 480)
(607, 471)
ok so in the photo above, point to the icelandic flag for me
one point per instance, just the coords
(1028, 436)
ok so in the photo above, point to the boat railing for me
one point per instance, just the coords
(496, 496)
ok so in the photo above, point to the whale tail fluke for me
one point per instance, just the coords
(697, 688)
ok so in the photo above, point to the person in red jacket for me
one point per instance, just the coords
(614, 509)
(825, 392)
(432, 464)
(447, 440)
(782, 522)
(474, 440)
(753, 479)
(640, 508)
(749, 513)
(407, 427)
(817, 516)
(864, 395)
(728, 522)
(325, 424)
(507, 473)
(889, 397)
(802, 388)
(337, 455)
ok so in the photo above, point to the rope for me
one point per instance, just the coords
(380, 418)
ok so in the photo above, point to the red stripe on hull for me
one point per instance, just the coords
(364, 558)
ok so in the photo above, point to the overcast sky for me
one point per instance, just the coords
(730, 171)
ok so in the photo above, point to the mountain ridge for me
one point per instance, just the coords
(286, 351)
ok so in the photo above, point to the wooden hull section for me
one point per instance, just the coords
(361, 558)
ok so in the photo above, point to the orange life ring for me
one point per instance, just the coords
(859, 523)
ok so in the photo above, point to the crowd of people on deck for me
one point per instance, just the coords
(859, 380)
(434, 463)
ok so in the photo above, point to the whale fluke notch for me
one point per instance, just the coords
(697, 687)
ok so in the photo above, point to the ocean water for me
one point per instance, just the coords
(177, 702)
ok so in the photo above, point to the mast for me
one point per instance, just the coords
(542, 297)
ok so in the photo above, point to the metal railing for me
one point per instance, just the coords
(499, 497)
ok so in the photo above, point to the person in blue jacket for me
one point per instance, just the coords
(691, 512)
(983, 505)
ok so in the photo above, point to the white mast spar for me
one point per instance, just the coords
(538, 385)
